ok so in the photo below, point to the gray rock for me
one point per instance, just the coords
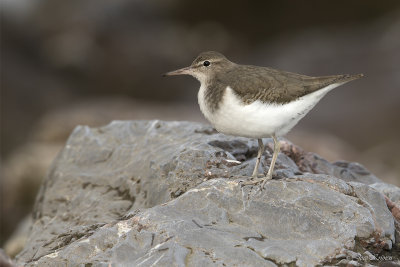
(374, 201)
(147, 193)
(391, 191)
(392, 197)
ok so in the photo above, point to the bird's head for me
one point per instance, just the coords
(205, 66)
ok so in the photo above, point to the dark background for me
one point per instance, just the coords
(73, 62)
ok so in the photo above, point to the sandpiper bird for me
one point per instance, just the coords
(256, 102)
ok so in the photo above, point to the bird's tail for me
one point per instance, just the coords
(348, 77)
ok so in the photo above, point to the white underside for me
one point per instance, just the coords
(258, 119)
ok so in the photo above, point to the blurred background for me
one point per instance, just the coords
(65, 63)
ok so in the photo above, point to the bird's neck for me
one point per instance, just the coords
(212, 93)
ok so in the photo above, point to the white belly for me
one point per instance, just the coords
(258, 120)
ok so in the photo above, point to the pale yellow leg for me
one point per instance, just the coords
(257, 180)
(277, 147)
(261, 149)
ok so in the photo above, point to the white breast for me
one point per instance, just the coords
(258, 119)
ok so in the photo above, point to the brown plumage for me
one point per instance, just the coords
(253, 83)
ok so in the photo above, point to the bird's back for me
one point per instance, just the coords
(253, 83)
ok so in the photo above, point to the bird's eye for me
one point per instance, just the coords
(206, 63)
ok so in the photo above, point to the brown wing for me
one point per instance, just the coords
(269, 85)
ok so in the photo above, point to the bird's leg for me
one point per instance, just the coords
(271, 167)
(256, 180)
(259, 155)
(277, 147)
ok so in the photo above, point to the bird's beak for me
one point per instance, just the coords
(183, 71)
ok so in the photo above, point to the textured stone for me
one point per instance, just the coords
(168, 193)
(392, 192)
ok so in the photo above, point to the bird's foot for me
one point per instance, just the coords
(255, 180)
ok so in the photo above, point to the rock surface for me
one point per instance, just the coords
(168, 193)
